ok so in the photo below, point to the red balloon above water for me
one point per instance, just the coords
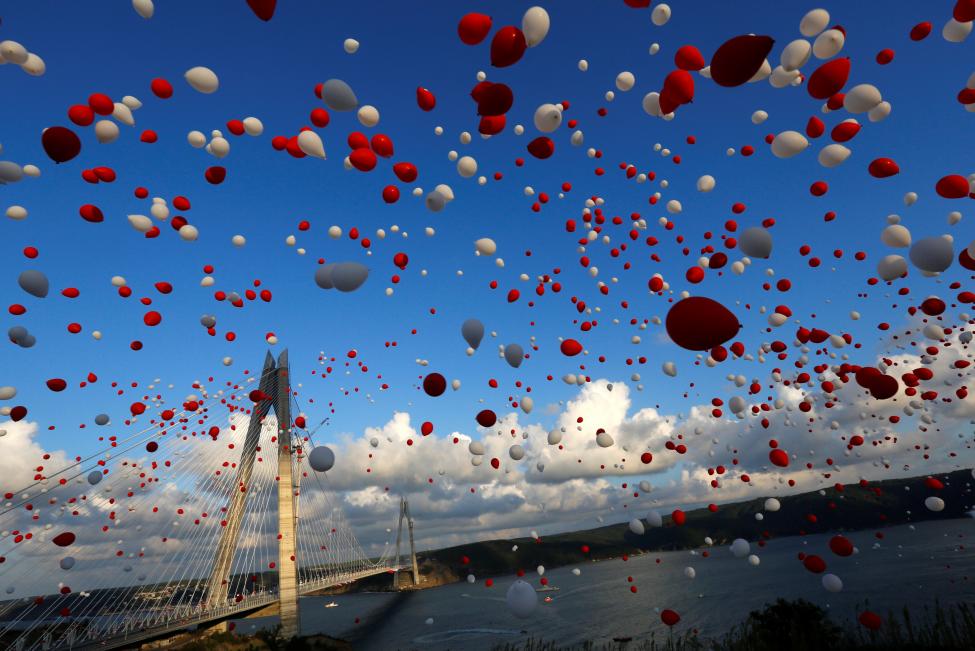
(700, 323)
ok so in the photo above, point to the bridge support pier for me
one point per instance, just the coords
(404, 512)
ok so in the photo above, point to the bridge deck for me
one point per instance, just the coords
(164, 622)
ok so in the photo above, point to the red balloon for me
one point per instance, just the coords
(363, 159)
(669, 617)
(953, 186)
(401, 260)
(814, 564)
(491, 124)
(966, 260)
(101, 104)
(845, 131)
(841, 545)
(885, 56)
(699, 323)
(507, 47)
(263, 9)
(678, 89)
(81, 115)
(738, 59)
(320, 117)
(829, 78)
(473, 28)
(382, 145)
(966, 96)
(689, 57)
(486, 418)
(152, 446)
(778, 457)
(920, 31)
(161, 88)
(405, 172)
(867, 618)
(152, 318)
(541, 147)
(215, 175)
(434, 384)
(679, 517)
(91, 213)
(964, 11)
(815, 127)
(57, 384)
(638, 4)
(883, 387)
(357, 139)
(819, 188)
(425, 99)
(570, 347)
(881, 168)
(390, 194)
(63, 539)
(61, 144)
(933, 306)
(492, 99)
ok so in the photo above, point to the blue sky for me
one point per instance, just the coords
(268, 70)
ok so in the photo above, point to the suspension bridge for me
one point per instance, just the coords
(174, 526)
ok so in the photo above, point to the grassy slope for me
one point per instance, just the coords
(876, 506)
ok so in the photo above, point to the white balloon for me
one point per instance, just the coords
(140, 223)
(654, 519)
(188, 232)
(123, 114)
(548, 118)
(814, 22)
(772, 505)
(740, 548)
(368, 116)
(350, 45)
(522, 599)
(636, 526)
(516, 452)
(759, 116)
(527, 404)
(467, 167)
(880, 112)
(321, 458)
(17, 213)
(311, 143)
(935, 504)
(796, 54)
(660, 15)
(34, 65)
(625, 81)
(535, 25)
(485, 246)
(144, 8)
(706, 183)
(555, 437)
(828, 44)
(781, 78)
(253, 126)
(833, 155)
(670, 369)
(604, 440)
(892, 267)
(862, 98)
(651, 104)
(476, 448)
(789, 143)
(219, 147)
(106, 131)
(896, 236)
(754, 560)
(196, 139)
(202, 79)
(832, 583)
(690, 572)
(955, 32)
(14, 52)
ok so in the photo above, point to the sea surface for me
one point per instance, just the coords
(907, 567)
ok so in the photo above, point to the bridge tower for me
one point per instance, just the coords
(404, 512)
(275, 388)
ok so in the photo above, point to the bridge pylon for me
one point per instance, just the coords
(404, 512)
(275, 392)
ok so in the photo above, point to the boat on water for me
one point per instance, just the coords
(547, 588)
(331, 604)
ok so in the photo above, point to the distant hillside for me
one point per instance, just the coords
(870, 506)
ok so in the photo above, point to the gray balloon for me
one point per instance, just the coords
(349, 276)
(932, 254)
(322, 459)
(28, 341)
(472, 331)
(435, 201)
(34, 283)
(94, 477)
(339, 96)
(101, 419)
(66, 563)
(323, 276)
(513, 354)
(755, 242)
(233, 297)
(17, 333)
(208, 320)
(10, 172)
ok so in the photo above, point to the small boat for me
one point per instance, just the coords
(547, 588)
(331, 604)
